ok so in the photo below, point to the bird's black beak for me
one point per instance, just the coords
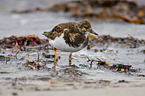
(93, 32)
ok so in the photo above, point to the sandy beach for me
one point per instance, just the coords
(121, 91)
(112, 65)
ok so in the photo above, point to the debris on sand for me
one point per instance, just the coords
(10, 42)
(4, 58)
(121, 68)
(32, 40)
(107, 39)
(123, 81)
(44, 60)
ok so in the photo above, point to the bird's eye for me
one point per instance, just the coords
(85, 27)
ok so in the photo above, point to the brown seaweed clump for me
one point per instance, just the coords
(10, 42)
(32, 40)
(107, 39)
(122, 68)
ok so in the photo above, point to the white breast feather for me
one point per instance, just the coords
(60, 44)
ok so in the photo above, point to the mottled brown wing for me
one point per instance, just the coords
(56, 31)
(74, 39)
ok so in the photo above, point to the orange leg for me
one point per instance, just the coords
(70, 55)
(56, 58)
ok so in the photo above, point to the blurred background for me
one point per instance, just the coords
(24, 17)
(9, 5)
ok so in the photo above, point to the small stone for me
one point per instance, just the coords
(14, 94)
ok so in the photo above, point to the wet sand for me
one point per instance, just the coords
(24, 24)
(121, 91)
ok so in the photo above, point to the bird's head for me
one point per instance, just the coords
(86, 27)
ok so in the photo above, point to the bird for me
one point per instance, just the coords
(69, 37)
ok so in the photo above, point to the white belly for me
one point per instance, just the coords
(59, 43)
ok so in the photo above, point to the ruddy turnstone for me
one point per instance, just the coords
(69, 37)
